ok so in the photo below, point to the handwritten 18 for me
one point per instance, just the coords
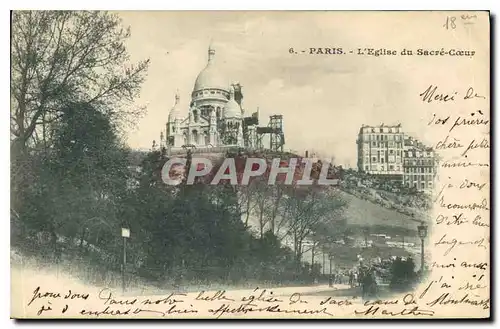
(451, 21)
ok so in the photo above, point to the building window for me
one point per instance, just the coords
(366, 168)
(207, 137)
(391, 167)
(194, 137)
(374, 159)
(374, 144)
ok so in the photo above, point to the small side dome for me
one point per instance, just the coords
(232, 109)
(175, 112)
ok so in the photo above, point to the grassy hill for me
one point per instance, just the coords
(363, 213)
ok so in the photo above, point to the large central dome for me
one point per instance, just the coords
(210, 77)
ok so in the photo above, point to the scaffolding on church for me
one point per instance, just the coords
(275, 131)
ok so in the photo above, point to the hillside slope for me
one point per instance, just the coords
(362, 212)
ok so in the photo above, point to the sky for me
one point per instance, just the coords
(324, 98)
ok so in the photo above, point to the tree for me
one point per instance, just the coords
(306, 210)
(61, 57)
(79, 183)
(403, 275)
(62, 60)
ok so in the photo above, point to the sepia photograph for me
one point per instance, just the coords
(250, 164)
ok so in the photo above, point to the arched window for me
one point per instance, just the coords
(194, 137)
(207, 137)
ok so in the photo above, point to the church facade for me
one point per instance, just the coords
(215, 117)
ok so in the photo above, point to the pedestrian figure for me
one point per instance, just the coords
(360, 277)
(369, 286)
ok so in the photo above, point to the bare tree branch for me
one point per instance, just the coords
(60, 57)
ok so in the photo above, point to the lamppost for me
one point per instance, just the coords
(422, 233)
(125, 235)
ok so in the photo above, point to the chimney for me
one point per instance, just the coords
(307, 153)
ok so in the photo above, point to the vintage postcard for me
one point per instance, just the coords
(250, 164)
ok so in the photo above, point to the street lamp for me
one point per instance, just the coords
(125, 235)
(422, 233)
